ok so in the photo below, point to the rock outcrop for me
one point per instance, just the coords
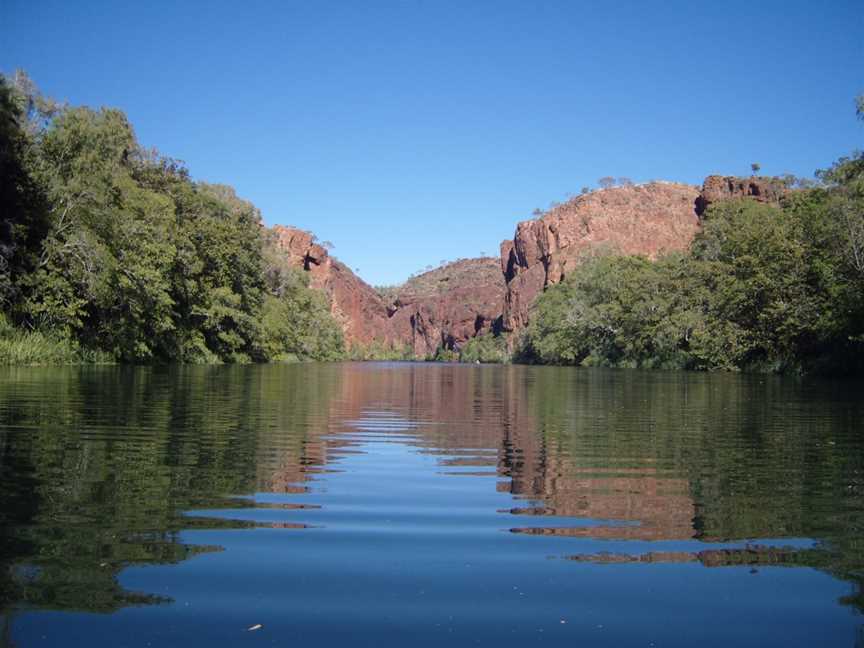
(639, 219)
(356, 306)
(446, 307)
(717, 188)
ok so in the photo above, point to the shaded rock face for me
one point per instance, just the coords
(717, 188)
(645, 219)
(354, 303)
(448, 306)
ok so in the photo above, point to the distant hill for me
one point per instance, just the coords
(445, 278)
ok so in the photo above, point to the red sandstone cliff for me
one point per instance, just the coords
(639, 219)
(718, 188)
(448, 306)
(354, 303)
(442, 308)
(642, 219)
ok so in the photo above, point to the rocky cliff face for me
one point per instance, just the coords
(354, 303)
(717, 188)
(442, 308)
(448, 306)
(644, 219)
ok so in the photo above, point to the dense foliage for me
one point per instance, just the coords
(485, 348)
(107, 246)
(763, 287)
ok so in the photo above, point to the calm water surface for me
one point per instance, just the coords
(428, 505)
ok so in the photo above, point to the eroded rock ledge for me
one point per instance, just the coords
(717, 188)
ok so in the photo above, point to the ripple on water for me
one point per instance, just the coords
(421, 504)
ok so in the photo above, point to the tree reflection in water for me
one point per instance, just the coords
(99, 466)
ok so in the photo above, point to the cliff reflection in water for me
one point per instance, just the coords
(99, 466)
(662, 456)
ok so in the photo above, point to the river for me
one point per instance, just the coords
(412, 504)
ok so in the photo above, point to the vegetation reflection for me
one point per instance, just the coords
(98, 465)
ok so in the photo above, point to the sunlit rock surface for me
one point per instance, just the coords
(639, 219)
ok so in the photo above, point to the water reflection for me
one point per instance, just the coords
(106, 469)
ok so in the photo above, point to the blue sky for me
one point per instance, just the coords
(411, 132)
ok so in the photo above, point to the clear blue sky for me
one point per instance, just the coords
(410, 132)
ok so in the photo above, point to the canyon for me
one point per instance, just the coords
(442, 308)
(445, 307)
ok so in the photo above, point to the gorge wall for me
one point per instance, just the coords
(444, 307)
(640, 219)
(356, 306)
(647, 220)
(447, 306)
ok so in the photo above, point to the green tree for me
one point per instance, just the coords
(112, 246)
(101, 270)
(759, 269)
(298, 325)
(24, 219)
(484, 348)
(618, 311)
